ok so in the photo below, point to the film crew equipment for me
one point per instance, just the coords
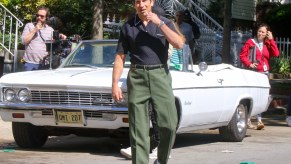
(58, 49)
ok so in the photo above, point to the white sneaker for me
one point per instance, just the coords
(288, 120)
(154, 154)
(126, 152)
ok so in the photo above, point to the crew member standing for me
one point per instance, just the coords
(33, 37)
(256, 54)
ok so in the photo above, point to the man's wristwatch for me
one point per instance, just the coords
(161, 24)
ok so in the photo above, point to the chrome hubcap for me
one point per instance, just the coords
(241, 118)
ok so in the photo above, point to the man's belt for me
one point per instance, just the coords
(147, 67)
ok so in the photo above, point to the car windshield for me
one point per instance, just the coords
(93, 54)
(101, 53)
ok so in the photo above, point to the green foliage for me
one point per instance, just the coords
(76, 15)
(215, 10)
(282, 12)
(281, 65)
(4, 2)
(11, 38)
(122, 7)
(24, 10)
(285, 68)
(279, 19)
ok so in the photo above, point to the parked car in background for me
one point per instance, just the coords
(76, 98)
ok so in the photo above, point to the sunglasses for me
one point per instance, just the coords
(41, 16)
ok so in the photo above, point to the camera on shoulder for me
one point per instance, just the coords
(56, 35)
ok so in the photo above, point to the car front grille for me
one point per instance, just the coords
(71, 98)
(87, 113)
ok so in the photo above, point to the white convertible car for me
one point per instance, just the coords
(76, 98)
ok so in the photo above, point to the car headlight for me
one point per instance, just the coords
(24, 95)
(9, 95)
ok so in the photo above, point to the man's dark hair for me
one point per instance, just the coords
(264, 25)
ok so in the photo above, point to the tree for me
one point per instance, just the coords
(279, 20)
(122, 8)
(226, 58)
(76, 15)
(220, 10)
(97, 29)
(215, 10)
(24, 10)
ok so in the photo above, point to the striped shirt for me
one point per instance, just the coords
(176, 57)
(180, 57)
(35, 50)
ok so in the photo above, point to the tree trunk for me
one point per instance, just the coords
(97, 29)
(226, 58)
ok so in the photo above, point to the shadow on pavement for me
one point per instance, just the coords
(275, 116)
(197, 138)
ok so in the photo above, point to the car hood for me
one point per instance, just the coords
(101, 77)
(64, 77)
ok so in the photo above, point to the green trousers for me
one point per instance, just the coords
(155, 85)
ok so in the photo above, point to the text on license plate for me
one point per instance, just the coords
(69, 117)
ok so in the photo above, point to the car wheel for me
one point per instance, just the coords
(236, 129)
(29, 136)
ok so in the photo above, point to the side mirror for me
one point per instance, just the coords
(202, 67)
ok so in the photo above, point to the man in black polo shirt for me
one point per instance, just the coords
(146, 37)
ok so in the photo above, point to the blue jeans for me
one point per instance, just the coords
(31, 67)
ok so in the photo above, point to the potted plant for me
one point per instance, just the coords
(281, 66)
(274, 67)
(285, 67)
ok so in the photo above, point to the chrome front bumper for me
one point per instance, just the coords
(101, 117)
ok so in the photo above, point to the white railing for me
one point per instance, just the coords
(9, 26)
(111, 28)
(202, 19)
(284, 45)
(209, 45)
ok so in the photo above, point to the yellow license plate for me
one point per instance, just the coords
(69, 117)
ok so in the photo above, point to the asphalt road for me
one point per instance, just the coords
(269, 146)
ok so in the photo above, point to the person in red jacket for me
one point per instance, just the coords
(255, 55)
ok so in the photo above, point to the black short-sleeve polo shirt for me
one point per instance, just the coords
(146, 45)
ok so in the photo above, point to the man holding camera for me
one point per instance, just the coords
(33, 37)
